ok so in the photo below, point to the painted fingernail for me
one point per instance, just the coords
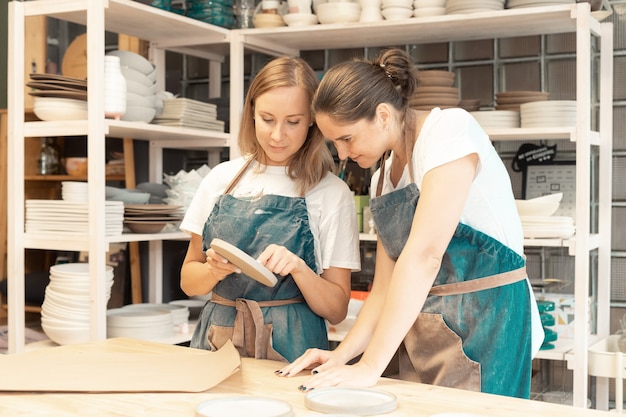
(278, 372)
(315, 372)
(302, 388)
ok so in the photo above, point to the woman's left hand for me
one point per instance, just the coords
(357, 375)
(280, 260)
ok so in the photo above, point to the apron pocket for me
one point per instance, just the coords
(217, 336)
(432, 353)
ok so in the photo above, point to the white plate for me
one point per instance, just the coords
(244, 406)
(357, 401)
(245, 262)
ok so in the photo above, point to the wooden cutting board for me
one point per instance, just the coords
(118, 365)
(74, 63)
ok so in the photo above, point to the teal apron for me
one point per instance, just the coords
(262, 322)
(474, 331)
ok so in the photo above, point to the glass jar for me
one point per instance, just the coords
(49, 162)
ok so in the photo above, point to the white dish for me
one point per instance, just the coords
(300, 19)
(133, 60)
(245, 262)
(244, 406)
(357, 401)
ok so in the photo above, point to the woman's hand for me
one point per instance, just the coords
(280, 260)
(219, 267)
(329, 370)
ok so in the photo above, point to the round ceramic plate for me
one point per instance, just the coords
(356, 401)
(245, 262)
(244, 407)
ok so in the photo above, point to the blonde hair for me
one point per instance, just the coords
(313, 160)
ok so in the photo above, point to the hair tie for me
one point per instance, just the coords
(386, 72)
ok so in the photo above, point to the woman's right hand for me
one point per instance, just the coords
(219, 267)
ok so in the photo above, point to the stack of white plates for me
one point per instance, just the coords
(511, 100)
(497, 118)
(65, 310)
(141, 88)
(514, 4)
(77, 191)
(180, 313)
(187, 112)
(549, 113)
(56, 218)
(473, 6)
(145, 324)
(548, 226)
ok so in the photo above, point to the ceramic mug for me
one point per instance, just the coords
(299, 6)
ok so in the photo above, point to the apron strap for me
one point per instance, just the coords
(249, 336)
(237, 177)
(480, 284)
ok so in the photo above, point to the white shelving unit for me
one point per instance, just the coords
(164, 31)
(168, 31)
(575, 18)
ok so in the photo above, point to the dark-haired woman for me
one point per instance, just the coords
(450, 287)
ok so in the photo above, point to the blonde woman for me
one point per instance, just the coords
(281, 204)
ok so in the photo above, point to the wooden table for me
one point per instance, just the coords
(256, 377)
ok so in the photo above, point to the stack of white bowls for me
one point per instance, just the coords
(397, 9)
(140, 75)
(65, 310)
(180, 313)
(424, 8)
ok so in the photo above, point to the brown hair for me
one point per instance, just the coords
(313, 160)
(352, 90)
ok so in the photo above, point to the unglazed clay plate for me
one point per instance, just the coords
(356, 401)
(245, 262)
(244, 407)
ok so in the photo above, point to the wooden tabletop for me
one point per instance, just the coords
(257, 378)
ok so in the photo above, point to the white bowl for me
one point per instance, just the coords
(133, 60)
(300, 19)
(53, 108)
(341, 12)
(69, 335)
(140, 89)
(397, 13)
(136, 76)
(267, 20)
(540, 206)
(139, 114)
(429, 3)
(429, 11)
(133, 99)
(408, 4)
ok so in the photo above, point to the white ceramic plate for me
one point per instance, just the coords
(244, 406)
(357, 401)
(245, 262)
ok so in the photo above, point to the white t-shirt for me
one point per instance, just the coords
(448, 135)
(330, 204)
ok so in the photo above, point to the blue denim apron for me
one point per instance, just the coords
(474, 331)
(262, 322)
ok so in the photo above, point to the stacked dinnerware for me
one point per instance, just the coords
(151, 218)
(511, 100)
(75, 191)
(57, 97)
(549, 113)
(65, 310)
(180, 313)
(140, 323)
(187, 112)
(425, 8)
(515, 4)
(435, 89)
(495, 119)
(473, 6)
(397, 9)
(141, 90)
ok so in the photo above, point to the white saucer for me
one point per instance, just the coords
(245, 262)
